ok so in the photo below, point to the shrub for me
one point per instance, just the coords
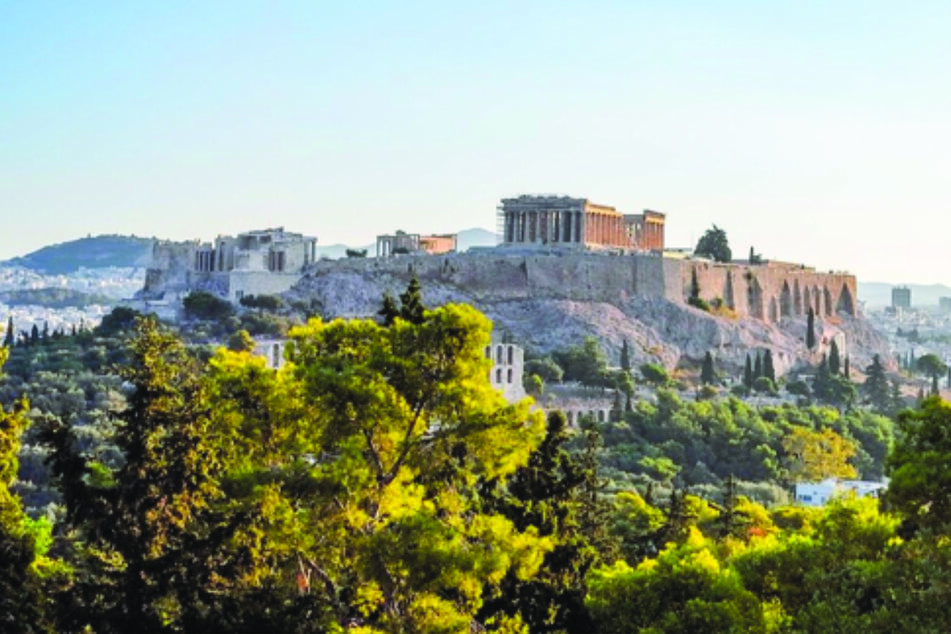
(654, 373)
(202, 305)
(267, 302)
(546, 368)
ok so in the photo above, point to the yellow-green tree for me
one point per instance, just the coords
(357, 464)
(812, 456)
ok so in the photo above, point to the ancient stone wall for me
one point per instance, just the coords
(771, 291)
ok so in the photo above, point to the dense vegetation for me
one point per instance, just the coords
(377, 483)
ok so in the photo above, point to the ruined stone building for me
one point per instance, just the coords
(263, 262)
(402, 242)
(507, 367)
(562, 220)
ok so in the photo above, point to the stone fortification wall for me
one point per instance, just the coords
(170, 267)
(771, 291)
(765, 291)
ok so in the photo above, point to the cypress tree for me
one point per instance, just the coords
(626, 357)
(34, 335)
(934, 384)
(846, 368)
(46, 331)
(757, 368)
(768, 371)
(834, 358)
(748, 373)
(10, 338)
(707, 373)
(811, 329)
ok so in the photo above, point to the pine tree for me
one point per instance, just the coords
(757, 367)
(934, 385)
(811, 329)
(748, 373)
(707, 372)
(628, 405)
(896, 400)
(626, 356)
(412, 308)
(834, 358)
(9, 338)
(389, 311)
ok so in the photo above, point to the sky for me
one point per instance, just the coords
(816, 132)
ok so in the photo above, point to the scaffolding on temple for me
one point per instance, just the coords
(499, 223)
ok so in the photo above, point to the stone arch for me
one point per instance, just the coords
(773, 310)
(846, 303)
(797, 298)
(276, 355)
(728, 292)
(600, 415)
(498, 354)
(785, 301)
(827, 297)
(754, 298)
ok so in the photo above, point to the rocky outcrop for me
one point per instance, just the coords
(577, 298)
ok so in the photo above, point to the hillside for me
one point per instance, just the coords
(90, 252)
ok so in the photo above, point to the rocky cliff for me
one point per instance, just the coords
(549, 302)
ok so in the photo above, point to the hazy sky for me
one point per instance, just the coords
(820, 132)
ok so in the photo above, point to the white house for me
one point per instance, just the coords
(818, 493)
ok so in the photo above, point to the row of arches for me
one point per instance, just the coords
(793, 300)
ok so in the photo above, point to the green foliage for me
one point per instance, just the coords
(714, 245)
(546, 368)
(625, 356)
(120, 321)
(264, 302)
(834, 361)
(931, 365)
(764, 385)
(202, 305)
(9, 336)
(356, 253)
(655, 374)
(586, 364)
(241, 341)
(811, 328)
(875, 387)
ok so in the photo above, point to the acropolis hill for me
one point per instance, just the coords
(566, 268)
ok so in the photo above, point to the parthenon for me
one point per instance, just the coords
(577, 221)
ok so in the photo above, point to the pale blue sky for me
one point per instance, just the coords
(817, 131)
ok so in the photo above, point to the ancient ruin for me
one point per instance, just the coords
(407, 243)
(262, 262)
(562, 220)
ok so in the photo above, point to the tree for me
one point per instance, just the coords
(202, 305)
(847, 368)
(23, 542)
(707, 372)
(768, 370)
(34, 335)
(834, 361)
(748, 373)
(931, 365)
(626, 357)
(655, 374)
(412, 308)
(812, 456)
(714, 244)
(757, 367)
(10, 337)
(356, 253)
(241, 341)
(694, 298)
(811, 329)
(151, 552)
(920, 481)
(389, 311)
(875, 387)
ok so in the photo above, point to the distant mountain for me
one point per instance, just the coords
(878, 294)
(465, 239)
(90, 252)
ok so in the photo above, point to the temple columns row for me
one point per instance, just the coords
(544, 226)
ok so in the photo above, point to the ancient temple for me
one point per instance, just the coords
(562, 220)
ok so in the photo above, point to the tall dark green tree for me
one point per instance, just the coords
(34, 335)
(626, 356)
(9, 338)
(389, 311)
(931, 365)
(757, 367)
(811, 329)
(768, 370)
(708, 372)
(748, 373)
(150, 562)
(834, 360)
(412, 307)
(875, 388)
(714, 245)
(847, 368)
